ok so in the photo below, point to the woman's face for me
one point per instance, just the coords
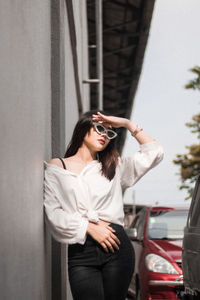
(95, 141)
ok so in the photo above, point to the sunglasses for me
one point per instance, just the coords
(101, 130)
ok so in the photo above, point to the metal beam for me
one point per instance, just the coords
(126, 34)
(73, 39)
(99, 56)
(120, 56)
(116, 26)
(121, 77)
(91, 80)
(124, 5)
(119, 87)
(115, 72)
(136, 2)
(109, 53)
(119, 50)
(121, 25)
(90, 20)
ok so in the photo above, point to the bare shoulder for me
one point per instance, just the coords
(55, 161)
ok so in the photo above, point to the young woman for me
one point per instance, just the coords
(84, 207)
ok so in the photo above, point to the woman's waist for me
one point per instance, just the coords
(109, 213)
(117, 219)
(90, 242)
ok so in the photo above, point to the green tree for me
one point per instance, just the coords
(194, 83)
(190, 162)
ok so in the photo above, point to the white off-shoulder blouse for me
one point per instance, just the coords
(71, 200)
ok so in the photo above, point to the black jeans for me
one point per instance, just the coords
(97, 275)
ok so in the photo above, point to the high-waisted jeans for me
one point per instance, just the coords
(97, 275)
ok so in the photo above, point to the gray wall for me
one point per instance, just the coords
(25, 135)
(38, 110)
(71, 109)
(71, 106)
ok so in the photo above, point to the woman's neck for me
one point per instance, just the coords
(85, 155)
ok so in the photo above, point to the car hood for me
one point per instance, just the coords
(167, 248)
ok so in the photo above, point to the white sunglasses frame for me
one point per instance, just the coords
(105, 130)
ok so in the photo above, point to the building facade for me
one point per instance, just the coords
(43, 59)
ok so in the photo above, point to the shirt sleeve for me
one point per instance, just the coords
(65, 226)
(133, 168)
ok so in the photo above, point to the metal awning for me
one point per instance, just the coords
(126, 25)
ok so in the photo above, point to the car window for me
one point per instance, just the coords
(167, 224)
(138, 223)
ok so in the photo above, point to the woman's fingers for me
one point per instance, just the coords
(109, 245)
(110, 228)
(109, 120)
(104, 235)
(110, 242)
(100, 116)
(104, 247)
(114, 244)
(114, 237)
(102, 119)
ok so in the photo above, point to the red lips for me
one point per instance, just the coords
(102, 141)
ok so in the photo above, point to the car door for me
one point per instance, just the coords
(138, 224)
(191, 243)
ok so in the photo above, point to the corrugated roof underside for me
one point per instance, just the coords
(126, 26)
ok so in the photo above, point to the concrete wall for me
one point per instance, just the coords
(71, 112)
(38, 110)
(25, 135)
(71, 107)
(80, 14)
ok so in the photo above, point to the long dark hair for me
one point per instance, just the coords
(108, 157)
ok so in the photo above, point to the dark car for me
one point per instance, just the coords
(191, 245)
(156, 234)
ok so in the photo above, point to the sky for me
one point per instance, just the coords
(162, 105)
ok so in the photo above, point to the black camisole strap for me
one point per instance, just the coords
(64, 166)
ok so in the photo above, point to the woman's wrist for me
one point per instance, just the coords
(130, 126)
(133, 128)
(138, 133)
(126, 122)
(90, 227)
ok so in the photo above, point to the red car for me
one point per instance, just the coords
(156, 234)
